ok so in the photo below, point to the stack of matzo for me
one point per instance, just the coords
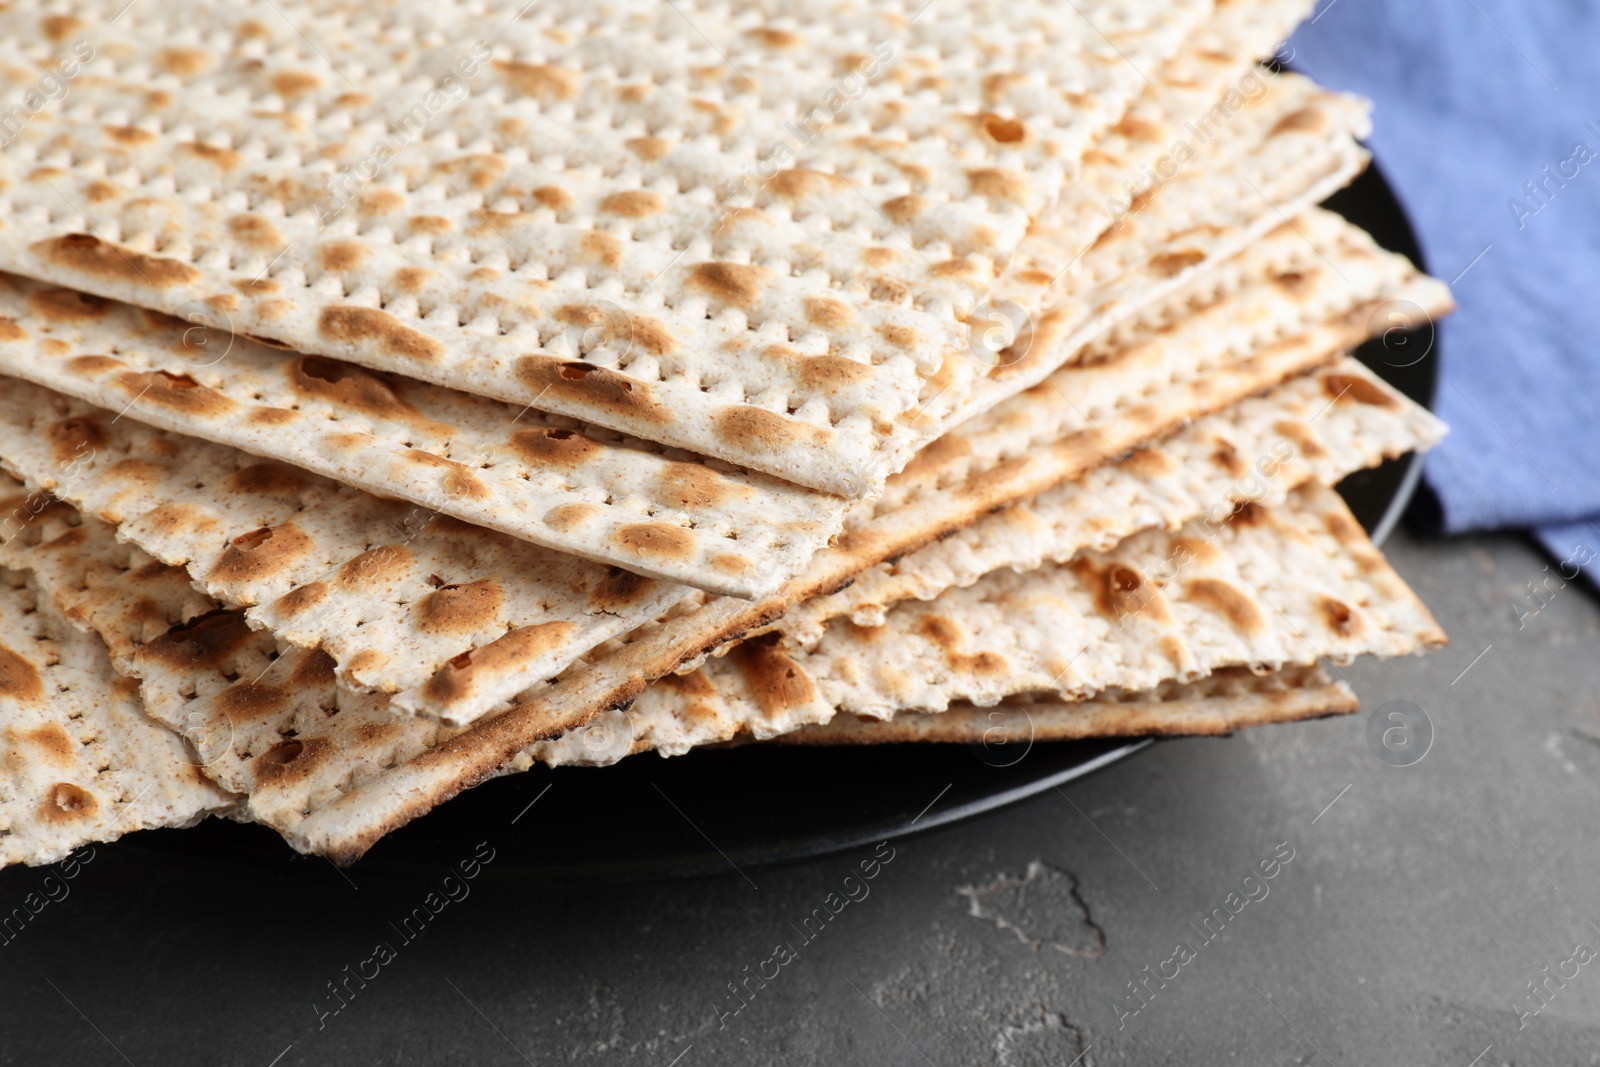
(401, 396)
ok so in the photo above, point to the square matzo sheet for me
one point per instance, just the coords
(602, 209)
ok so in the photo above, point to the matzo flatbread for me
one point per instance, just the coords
(567, 175)
(1319, 427)
(356, 575)
(186, 652)
(1266, 589)
(1228, 700)
(79, 761)
(550, 481)
(392, 591)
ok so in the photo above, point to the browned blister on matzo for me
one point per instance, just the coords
(1267, 588)
(448, 619)
(756, 226)
(1228, 700)
(547, 480)
(79, 761)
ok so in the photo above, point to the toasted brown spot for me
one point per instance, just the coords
(1226, 456)
(1136, 129)
(360, 327)
(904, 209)
(481, 171)
(1339, 616)
(653, 336)
(948, 637)
(53, 743)
(730, 563)
(342, 255)
(129, 136)
(217, 156)
(68, 803)
(459, 478)
(775, 681)
(1004, 130)
(184, 62)
(348, 386)
(59, 27)
(649, 148)
(620, 590)
(455, 680)
(901, 336)
(569, 517)
(828, 313)
(800, 182)
(633, 204)
(998, 184)
(269, 479)
(289, 762)
(261, 554)
(363, 663)
(693, 684)
(205, 642)
(75, 436)
(300, 599)
(143, 472)
(655, 540)
(1248, 513)
(1307, 119)
(380, 202)
(1293, 282)
(1169, 264)
(555, 447)
(87, 254)
(385, 563)
(1346, 531)
(412, 279)
(592, 387)
(1119, 590)
(739, 284)
(545, 83)
(19, 679)
(757, 429)
(774, 38)
(830, 373)
(460, 609)
(179, 392)
(292, 83)
(431, 224)
(10, 331)
(691, 485)
(1240, 611)
(1300, 435)
(1354, 389)
(250, 701)
(602, 247)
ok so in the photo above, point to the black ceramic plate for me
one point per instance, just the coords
(717, 812)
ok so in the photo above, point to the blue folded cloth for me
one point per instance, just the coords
(1487, 124)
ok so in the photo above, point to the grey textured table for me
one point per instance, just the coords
(1419, 904)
